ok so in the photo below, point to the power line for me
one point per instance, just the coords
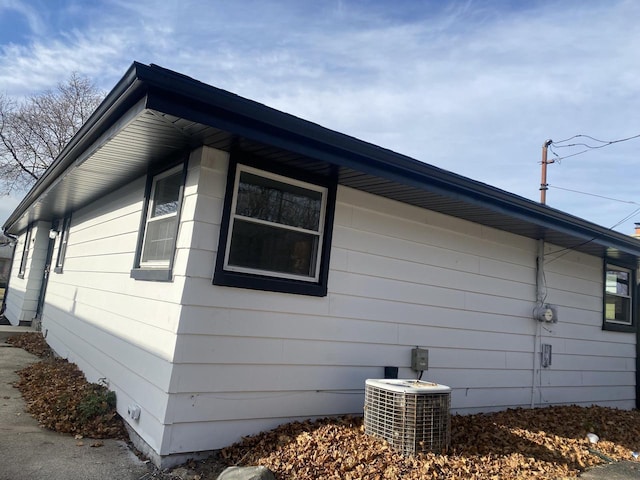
(573, 247)
(603, 143)
(606, 142)
(595, 195)
(549, 144)
(626, 218)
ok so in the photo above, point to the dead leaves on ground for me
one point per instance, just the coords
(32, 342)
(61, 399)
(543, 443)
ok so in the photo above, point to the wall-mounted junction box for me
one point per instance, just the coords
(134, 411)
(546, 355)
(419, 359)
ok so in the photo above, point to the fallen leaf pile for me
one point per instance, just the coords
(541, 443)
(61, 399)
(32, 342)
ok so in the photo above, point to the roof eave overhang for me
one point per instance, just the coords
(160, 90)
(121, 98)
(272, 127)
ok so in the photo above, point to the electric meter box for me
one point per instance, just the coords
(419, 359)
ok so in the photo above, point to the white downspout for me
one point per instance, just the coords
(540, 298)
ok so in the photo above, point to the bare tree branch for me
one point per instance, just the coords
(34, 132)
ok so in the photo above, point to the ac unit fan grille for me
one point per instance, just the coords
(411, 422)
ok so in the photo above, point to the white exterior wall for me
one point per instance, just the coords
(400, 276)
(109, 324)
(22, 295)
(209, 364)
(6, 253)
(17, 286)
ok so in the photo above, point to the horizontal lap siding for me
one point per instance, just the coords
(589, 365)
(469, 289)
(23, 293)
(111, 325)
(459, 289)
(463, 291)
(399, 277)
(15, 294)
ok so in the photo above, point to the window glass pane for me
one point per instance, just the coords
(263, 247)
(618, 282)
(159, 240)
(278, 202)
(618, 309)
(64, 239)
(25, 253)
(166, 194)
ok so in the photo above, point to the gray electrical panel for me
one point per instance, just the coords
(419, 359)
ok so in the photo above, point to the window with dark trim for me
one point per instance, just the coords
(62, 247)
(25, 253)
(619, 298)
(276, 230)
(159, 227)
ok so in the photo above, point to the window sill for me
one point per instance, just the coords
(269, 284)
(152, 274)
(615, 327)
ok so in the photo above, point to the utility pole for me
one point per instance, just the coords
(544, 186)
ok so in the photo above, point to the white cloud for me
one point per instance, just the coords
(474, 88)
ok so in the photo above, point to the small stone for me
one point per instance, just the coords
(247, 473)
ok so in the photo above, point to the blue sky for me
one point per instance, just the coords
(474, 87)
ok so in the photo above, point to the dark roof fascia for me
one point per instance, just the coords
(126, 92)
(194, 100)
(184, 97)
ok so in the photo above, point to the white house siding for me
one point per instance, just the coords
(22, 295)
(15, 295)
(400, 276)
(589, 365)
(6, 253)
(109, 324)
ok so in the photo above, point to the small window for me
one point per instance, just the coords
(25, 254)
(159, 231)
(64, 240)
(618, 298)
(276, 230)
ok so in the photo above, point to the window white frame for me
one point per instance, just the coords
(319, 233)
(611, 283)
(158, 270)
(150, 219)
(25, 253)
(64, 240)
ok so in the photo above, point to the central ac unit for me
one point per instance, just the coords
(412, 415)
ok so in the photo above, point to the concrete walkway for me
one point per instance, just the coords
(30, 452)
(614, 471)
